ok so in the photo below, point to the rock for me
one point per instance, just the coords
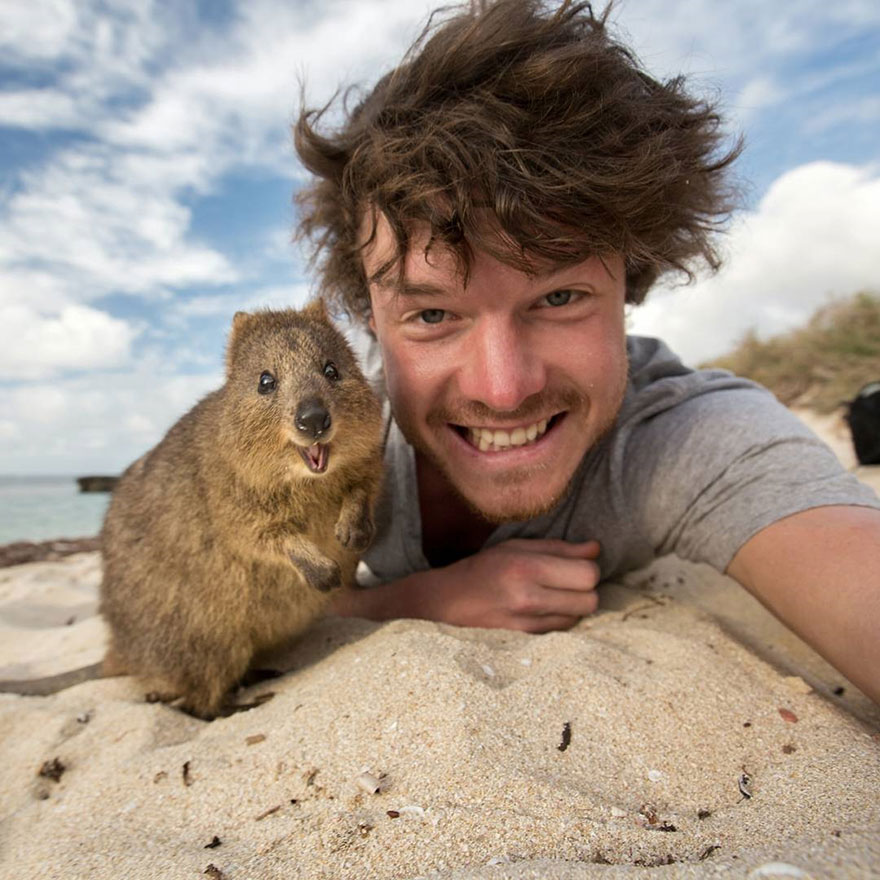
(44, 551)
(96, 484)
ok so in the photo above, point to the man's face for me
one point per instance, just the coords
(504, 383)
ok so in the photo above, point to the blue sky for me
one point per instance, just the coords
(146, 179)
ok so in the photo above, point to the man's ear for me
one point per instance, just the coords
(371, 323)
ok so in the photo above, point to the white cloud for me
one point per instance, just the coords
(38, 30)
(862, 111)
(759, 92)
(9, 430)
(752, 57)
(815, 235)
(36, 346)
(37, 109)
(98, 423)
(110, 216)
(83, 218)
(43, 290)
(86, 51)
(740, 38)
(235, 101)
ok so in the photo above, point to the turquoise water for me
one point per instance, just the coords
(43, 508)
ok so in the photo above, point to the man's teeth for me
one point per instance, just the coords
(487, 440)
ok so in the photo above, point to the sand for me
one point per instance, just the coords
(680, 732)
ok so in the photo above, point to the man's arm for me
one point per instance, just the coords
(819, 572)
(533, 585)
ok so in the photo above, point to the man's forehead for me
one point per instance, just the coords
(412, 283)
(430, 267)
(426, 260)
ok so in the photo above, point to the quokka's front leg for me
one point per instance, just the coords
(319, 570)
(354, 526)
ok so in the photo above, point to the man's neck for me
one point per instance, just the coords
(451, 529)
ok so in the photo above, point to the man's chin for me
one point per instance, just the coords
(510, 503)
(515, 496)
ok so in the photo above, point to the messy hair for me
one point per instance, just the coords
(532, 115)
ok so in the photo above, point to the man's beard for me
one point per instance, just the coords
(569, 401)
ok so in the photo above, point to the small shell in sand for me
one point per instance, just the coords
(369, 783)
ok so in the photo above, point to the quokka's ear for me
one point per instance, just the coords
(240, 321)
(316, 309)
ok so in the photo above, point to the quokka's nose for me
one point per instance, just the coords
(312, 418)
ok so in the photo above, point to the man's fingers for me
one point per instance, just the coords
(570, 603)
(575, 597)
(555, 573)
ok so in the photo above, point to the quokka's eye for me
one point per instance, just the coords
(267, 383)
(330, 371)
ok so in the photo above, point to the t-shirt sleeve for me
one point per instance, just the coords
(712, 471)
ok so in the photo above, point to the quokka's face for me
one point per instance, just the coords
(300, 382)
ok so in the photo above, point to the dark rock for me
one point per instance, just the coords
(44, 551)
(96, 484)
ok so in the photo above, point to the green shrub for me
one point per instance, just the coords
(820, 365)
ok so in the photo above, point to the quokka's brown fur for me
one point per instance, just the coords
(223, 541)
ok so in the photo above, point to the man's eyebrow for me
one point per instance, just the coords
(408, 288)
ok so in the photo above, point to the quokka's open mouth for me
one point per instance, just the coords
(316, 457)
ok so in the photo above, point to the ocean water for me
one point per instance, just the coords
(43, 508)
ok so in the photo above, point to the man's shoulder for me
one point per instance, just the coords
(659, 381)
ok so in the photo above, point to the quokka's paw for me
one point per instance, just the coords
(323, 576)
(355, 532)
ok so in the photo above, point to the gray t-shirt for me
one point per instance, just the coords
(697, 463)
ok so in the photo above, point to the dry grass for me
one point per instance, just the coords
(820, 365)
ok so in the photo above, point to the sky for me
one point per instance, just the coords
(147, 177)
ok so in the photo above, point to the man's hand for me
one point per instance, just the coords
(533, 585)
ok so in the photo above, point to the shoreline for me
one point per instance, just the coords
(21, 552)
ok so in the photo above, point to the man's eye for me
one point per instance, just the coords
(558, 298)
(432, 316)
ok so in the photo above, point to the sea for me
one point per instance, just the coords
(45, 508)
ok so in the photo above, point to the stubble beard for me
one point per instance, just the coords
(571, 401)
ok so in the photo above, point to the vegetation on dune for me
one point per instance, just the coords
(820, 365)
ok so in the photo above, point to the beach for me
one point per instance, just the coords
(680, 732)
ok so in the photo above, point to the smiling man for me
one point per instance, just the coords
(485, 214)
(501, 384)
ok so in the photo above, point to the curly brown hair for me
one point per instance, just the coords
(537, 114)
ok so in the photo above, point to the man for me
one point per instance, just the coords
(485, 214)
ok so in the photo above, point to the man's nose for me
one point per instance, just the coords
(501, 364)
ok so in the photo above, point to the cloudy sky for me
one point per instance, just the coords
(146, 177)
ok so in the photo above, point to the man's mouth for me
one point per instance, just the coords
(499, 439)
